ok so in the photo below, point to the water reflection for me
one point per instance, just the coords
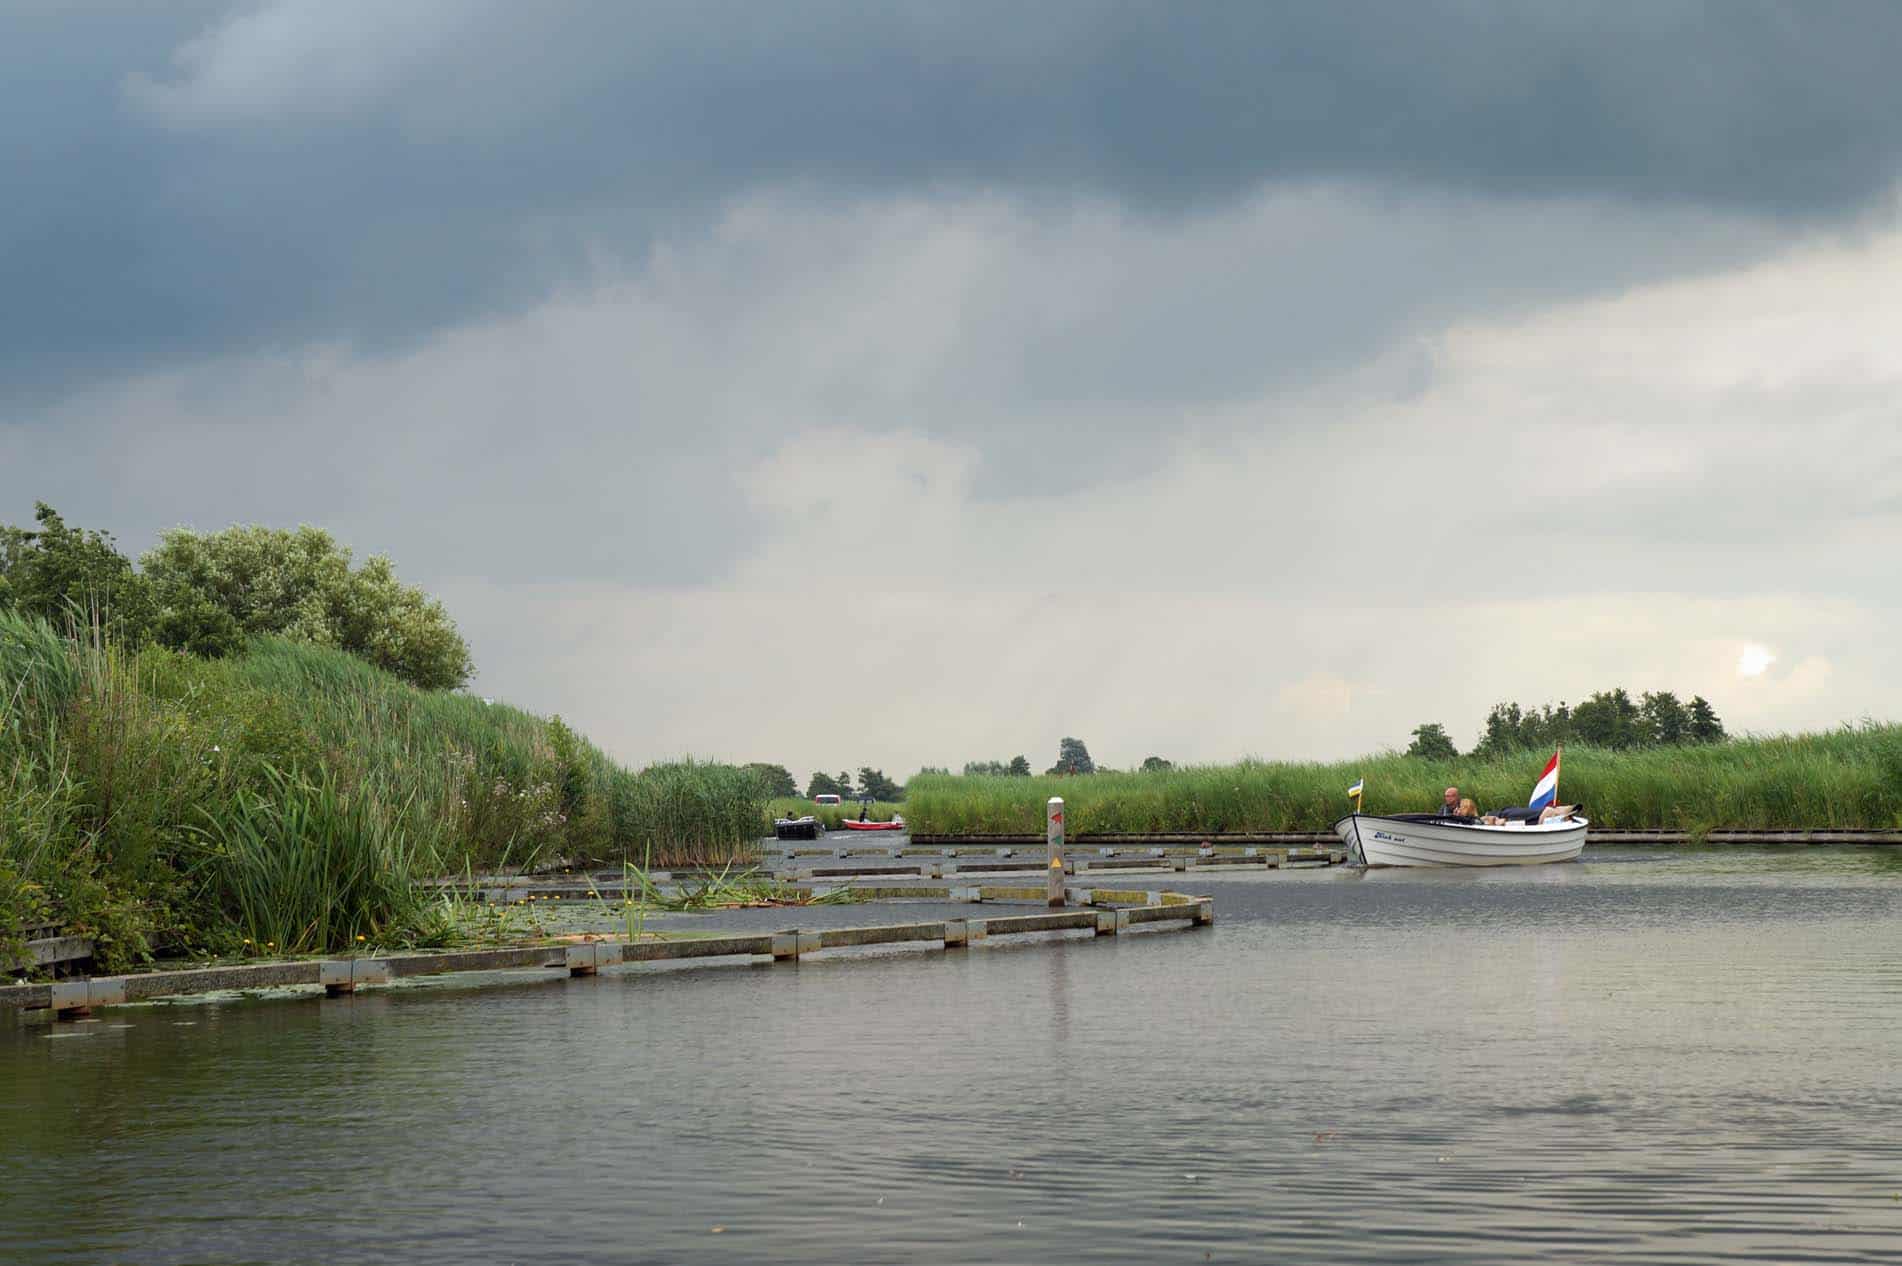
(1672, 1055)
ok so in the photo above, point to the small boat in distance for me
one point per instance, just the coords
(1421, 839)
(806, 828)
(853, 824)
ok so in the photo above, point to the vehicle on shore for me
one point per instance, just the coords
(1421, 839)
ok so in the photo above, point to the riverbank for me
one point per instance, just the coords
(163, 804)
(1849, 778)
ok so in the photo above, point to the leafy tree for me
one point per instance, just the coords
(874, 783)
(1156, 765)
(824, 784)
(1016, 767)
(1608, 719)
(1072, 758)
(1664, 718)
(211, 590)
(845, 783)
(1430, 741)
(56, 571)
(1703, 725)
(932, 769)
(777, 780)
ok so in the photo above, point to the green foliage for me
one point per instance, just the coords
(1701, 723)
(824, 784)
(1430, 742)
(689, 812)
(1072, 758)
(1156, 765)
(775, 780)
(1847, 778)
(118, 769)
(1015, 767)
(874, 784)
(299, 866)
(582, 806)
(63, 574)
(1609, 718)
(211, 590)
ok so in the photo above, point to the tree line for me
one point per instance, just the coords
(777, 782)
(209, 593)
(1609, 719)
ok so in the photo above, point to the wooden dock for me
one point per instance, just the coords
(1103, 911)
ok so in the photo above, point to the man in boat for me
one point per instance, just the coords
(1450, 804)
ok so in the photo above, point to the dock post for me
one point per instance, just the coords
(1053, 840)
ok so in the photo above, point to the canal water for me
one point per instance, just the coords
(1662, 1055)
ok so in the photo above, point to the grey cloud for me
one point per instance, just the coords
(185, 191)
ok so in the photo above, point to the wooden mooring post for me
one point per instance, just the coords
(1053, 840)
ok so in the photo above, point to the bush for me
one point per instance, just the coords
(209, 591)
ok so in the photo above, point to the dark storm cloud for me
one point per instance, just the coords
(417, 165)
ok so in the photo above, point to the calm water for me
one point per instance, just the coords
(1667, 1056)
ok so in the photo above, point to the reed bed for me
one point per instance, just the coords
(1847, 778)
(285, 798)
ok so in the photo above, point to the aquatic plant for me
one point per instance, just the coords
(1847, 778)
(303, 866)
(116, 765)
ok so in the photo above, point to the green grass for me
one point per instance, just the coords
(164, 803)
(831, 815)
(1850, 777)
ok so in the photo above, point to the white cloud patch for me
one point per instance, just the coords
(292, 61)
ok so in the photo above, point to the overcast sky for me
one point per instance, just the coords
(907, 383)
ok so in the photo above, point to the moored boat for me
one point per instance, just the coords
(1418, 839)
(853, 824)
(806, 828)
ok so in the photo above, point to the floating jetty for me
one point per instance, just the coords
(1106, 912)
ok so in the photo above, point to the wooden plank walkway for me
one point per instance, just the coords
(1106, 912)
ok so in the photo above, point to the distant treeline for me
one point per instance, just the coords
(1609, 719)
(777, 782)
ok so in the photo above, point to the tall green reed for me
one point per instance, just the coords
(310, 865)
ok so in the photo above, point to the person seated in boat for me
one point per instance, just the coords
(1455, 809)
(1529, 816)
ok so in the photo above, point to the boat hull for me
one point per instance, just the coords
(852, 824)
(1396, 842)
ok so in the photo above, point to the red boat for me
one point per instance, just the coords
(853, 824)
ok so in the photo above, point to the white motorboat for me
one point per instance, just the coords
(1418, 839)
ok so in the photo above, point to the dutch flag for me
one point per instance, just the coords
(1546, 791)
